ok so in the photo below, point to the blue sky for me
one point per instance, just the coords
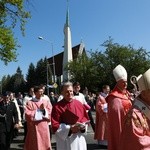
(93, 21)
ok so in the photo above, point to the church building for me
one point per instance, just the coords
(69, 54)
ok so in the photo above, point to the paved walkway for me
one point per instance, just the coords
(91, 143)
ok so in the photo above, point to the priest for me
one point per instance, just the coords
(69, 121)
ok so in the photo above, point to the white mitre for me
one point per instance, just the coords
(120, 73)
(143, 81)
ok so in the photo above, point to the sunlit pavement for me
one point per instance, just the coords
(91, 143)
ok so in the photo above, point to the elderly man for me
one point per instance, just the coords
(118, 105)
(69, 120)
(136, 129)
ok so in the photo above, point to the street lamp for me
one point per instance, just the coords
(53, 63)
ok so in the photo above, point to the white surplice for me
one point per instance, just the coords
(73, 142)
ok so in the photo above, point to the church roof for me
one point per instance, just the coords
(59, 59)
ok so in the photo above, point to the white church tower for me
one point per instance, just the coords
(67, 55)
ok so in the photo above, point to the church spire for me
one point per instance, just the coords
(67, 55)
(67, 14)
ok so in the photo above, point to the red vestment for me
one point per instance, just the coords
(101, 126)
(136, 130)
(38, 135)
(118, 105)
(59, 114)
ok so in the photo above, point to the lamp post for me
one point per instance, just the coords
(1, 86)
(53, 60)
(47, 79)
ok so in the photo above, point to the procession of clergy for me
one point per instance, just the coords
(122, 119)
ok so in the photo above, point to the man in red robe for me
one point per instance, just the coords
(38, 114)
(136, 130)
(69, 118)
(101, 126)
(118, 105)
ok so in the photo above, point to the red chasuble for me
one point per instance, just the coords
(68, 113)
(118, 105)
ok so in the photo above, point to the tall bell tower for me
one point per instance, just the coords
(67, 55)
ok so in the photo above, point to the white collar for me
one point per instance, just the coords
(36, 100)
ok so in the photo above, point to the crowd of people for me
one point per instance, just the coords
(122, 119)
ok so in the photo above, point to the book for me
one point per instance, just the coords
(82, 125)
(68, 117)
(38, 115)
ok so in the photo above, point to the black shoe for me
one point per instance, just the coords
(102, 146)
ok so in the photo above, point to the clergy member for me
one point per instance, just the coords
(69, 121)
(101, 126)
(38, 114)
(118, 105)
(136, 129)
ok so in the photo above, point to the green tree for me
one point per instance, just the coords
(97, 69)
(38, 74)
(8, 83)
(136, 61)
(11, 13)
(41, 72)
(30, 77)
(19, 83)
(4, 83)
(82, 70)
(14, 83)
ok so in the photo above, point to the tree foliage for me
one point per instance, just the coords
(41, 72)
(14, 83)
(136, 61)
(83, 71)
(30, 77)
(96, 70)
(11, 13)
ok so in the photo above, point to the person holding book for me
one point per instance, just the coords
(38, 115)
(69, 121)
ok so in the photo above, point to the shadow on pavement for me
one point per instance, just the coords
(92, 147)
